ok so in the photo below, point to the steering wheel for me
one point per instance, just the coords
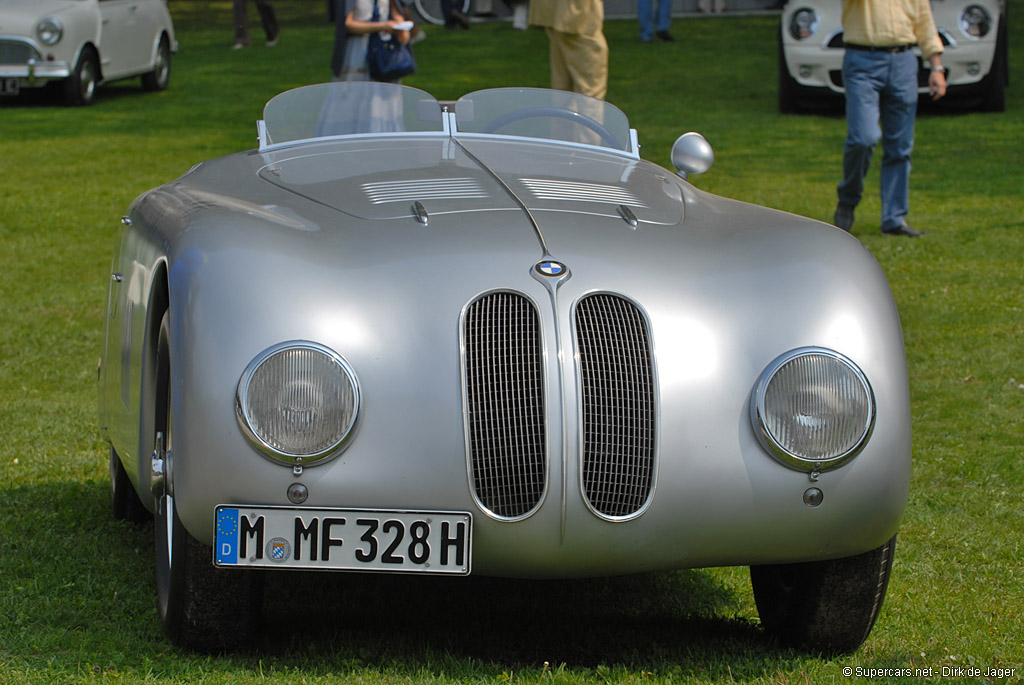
(557, 113)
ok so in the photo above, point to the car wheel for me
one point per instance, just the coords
(201, 607)
(994, 98)
(80, 86)
(124, 499)
(430, 10)
(789, 101)
(827, 606)
(161, 74)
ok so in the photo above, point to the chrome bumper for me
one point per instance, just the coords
(35, 72)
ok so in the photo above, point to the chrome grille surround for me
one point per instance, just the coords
(16, 52)
(618, 421)
(504, 394)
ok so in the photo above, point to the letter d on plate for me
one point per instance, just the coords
(227, 536)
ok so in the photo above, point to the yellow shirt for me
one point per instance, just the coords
(887, 23)
(584, 17)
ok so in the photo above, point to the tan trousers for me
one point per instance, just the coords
(579, 63)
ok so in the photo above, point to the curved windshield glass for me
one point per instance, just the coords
(347, 108)
(360, 108)
(540, 113)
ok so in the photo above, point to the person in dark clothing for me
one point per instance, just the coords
(267, 17)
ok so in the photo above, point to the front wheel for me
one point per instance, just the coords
(201, 607)
(161, 74)
(994, 98)
(828, 606)
(789, 89)
(80, 86)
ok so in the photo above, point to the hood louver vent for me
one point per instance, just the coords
(571, 191)
(412, 191)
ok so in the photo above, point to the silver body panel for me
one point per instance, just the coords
(292, 244)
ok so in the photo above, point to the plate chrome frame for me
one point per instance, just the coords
(326, 569)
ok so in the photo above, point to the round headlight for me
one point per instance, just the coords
(813, 409)
(803, 24)
(975, 21)
(50, 31)
(298, 402)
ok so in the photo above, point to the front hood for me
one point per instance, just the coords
(19, 17)
(385, 179)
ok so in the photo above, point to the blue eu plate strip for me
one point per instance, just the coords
(227, 536)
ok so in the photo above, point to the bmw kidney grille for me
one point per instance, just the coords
(505, 403)
(617, 395)
(503, 360)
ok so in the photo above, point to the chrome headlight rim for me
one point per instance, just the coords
(50, 30)
(976, 18)
(774, 446)
(803, 23)
(262, 445)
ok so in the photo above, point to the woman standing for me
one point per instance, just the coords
(355, 21)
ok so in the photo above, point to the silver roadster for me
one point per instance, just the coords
(485, 336)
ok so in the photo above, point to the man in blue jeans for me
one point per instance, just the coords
(645, 13)
(880, 78)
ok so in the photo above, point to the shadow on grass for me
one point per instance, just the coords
(405, 625)
(645, 621)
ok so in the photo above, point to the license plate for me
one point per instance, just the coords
(343, 539)
(8, 86)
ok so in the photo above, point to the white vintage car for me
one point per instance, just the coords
(973, 34)
(84, 43)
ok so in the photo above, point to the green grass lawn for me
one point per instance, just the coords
(77, 593)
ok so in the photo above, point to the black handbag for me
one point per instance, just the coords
(389, 60)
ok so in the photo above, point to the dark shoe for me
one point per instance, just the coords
(665, 36)
(459, 19)
(844, 217)
(903, 229)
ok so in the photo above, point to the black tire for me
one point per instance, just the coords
(161, 74)
(124, 500)
(824, 606)
(202, 608)
(994, 98)
(80, 86)
(789, 89)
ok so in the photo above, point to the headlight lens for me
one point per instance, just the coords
(975, 21)
(803, 24)
(298, 402)
(813, 409)
(50, 31)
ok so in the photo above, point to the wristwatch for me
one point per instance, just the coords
(936, 68)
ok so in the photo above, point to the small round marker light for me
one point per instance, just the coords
(297, 493)
(813, 497)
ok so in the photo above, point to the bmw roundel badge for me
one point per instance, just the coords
(551, 269)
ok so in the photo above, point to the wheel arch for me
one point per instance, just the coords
(90, 46)
(157, 305)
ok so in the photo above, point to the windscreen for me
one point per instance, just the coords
(546, 114)
(347, 108)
